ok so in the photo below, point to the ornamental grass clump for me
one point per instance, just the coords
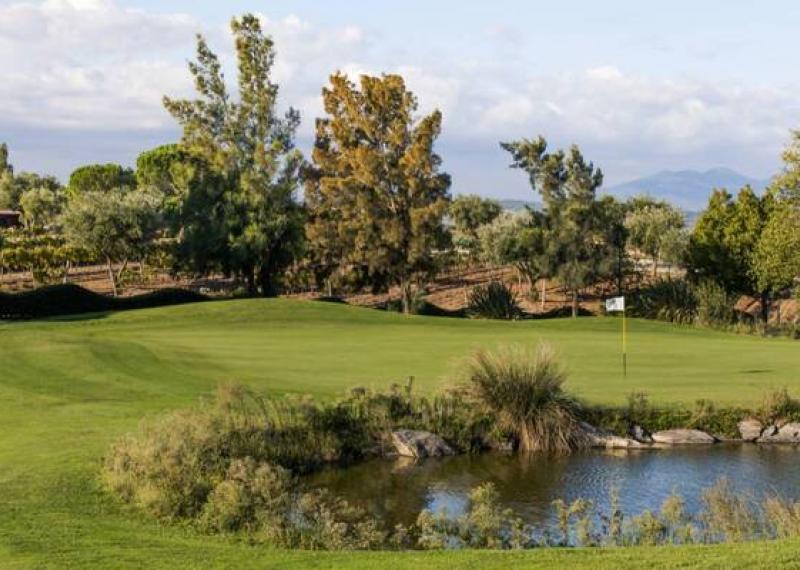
(524, 389)
(493, 301)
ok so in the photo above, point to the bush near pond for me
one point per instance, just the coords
(231, 466)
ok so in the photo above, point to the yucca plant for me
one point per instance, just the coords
(495, 300)
(523, 388)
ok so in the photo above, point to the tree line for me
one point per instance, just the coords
(376, 210)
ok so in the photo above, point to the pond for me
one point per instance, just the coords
(397, 490)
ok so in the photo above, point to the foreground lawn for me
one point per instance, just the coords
(69, 387)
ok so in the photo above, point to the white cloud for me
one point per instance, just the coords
(97, 65)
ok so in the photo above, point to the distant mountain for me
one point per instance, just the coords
(518, 205)
(688, 189)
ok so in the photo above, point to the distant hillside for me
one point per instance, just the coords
(688, 189)
(517, 205)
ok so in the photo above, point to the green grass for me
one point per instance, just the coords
(69, 387)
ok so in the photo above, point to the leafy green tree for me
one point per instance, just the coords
(723, 242)
(674, 247)
(649, 222)
(112, 226)
(376, 195)
(776, 263)
(14, 185)
(9, 197)
(468, 213)
(519, 239)
(5, 165)
(787, 183)
(41, 206)
(250, 149)
(100, 178)
(579, 239)
(192, 197)
(614, 235)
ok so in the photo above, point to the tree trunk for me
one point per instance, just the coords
(122, 269)
(575, 304)
(67, 266)
(111, 276)
(655, 267)
(269, 287)
(250, 275)
(544, 293)
(765, 307)
(405, 292)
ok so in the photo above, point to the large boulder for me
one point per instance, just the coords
(750, 429)
(601, 438)
(682, 437)
(420, 444)
(788, 433)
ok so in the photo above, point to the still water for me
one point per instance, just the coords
(397, 490)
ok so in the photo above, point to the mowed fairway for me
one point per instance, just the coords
(69, 387)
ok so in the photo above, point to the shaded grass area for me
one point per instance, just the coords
(69, 387)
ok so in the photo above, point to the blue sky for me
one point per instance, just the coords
(639, 87)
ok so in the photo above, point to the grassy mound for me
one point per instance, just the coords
(70, 299)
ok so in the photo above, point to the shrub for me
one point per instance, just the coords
(723, 422)
(484, 525)
(782, 516)
(715, 306)
(324, 522)
(525, 390)
(777, 406)
(253, 497)
(672, 301)
(493, 301)
(726, 515)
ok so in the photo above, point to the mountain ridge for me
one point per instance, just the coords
(688, 189)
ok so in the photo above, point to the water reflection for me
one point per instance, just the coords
(397, 490)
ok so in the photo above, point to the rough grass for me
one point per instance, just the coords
(69, 387)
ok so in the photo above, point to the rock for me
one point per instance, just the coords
(769, 430)
(788, 433)
(682, 437)
(601, 438)
(750, 429)
(420, 444)
(640, 434)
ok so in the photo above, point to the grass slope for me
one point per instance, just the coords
(68, 387)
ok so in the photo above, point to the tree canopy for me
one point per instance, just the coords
(650, 223)
(580, 248)
(250, 202)
(100, 178)
(376, 194)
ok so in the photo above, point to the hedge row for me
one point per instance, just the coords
(69, 299)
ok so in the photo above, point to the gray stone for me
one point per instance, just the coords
(640, 434)
(769, 430)
(601, 438)
(788, 433)
(420, 444)
(750, 429)
(682, 437)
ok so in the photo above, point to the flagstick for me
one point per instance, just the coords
(624, 346)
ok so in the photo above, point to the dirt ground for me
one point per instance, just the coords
(448, 291)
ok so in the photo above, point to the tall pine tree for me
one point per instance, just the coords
(251, 148)
(376, 194)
